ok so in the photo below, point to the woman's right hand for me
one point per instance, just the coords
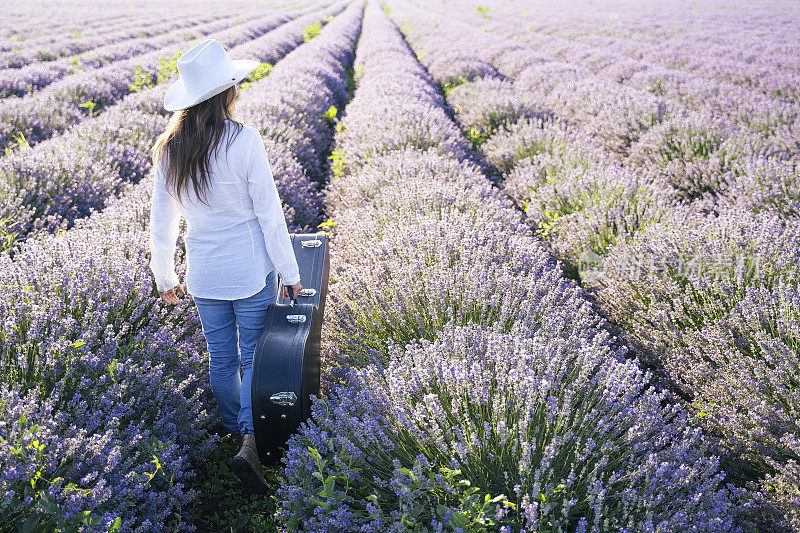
(296, 288)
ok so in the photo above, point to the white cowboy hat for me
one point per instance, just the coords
(205, 70)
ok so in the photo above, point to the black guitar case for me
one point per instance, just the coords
(286, 362)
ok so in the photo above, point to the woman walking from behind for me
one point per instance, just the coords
(214, 172)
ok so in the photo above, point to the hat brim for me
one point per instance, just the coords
(178, 98)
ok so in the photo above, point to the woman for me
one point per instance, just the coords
(214, 172)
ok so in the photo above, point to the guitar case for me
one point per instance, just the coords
(286, 362)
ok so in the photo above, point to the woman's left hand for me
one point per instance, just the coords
(170, 296)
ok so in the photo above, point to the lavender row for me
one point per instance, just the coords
(295, 109)
(616, 116)
(769, 83)
(718, 31)
(661, 272)
(662, 74)
(576, 195)
(570, 179)
(759, 113)
(126, 406)
(765, 72)
(761, 58)
(62, 104)
(750, 108)
(31, 78)
(56, 47)
(740, 125)
(706, 155)
(733, 121)
(714, 300)
(51, 25)
(469, 384)
(67, 177)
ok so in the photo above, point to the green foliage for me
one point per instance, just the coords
(141, 80)
(338, 166)
(311, 31)
(330, 114)
(19, 142)
(328, 498)
(449, 85)
(351, 74)
(544, 228)
(532, 148)
(431, 493)
(657, 87)
(91, 107)
(261, 71)
(477, 136)
(490, 122)
(470, 509)
(73, 60)
(327, 226)
(7, 237)
(167, 68)
(483, 11)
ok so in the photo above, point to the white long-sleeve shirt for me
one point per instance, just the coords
(237, 239)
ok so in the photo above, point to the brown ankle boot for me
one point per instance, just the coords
(247, 466)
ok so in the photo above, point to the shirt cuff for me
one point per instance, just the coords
(165, 284)
(290, 280)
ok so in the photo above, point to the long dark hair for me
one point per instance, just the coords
(192, 135)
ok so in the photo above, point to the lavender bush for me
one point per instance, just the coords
(767, 185)
(489, 431)
(461, 315)
(715, 298)
(104, 396)
(571, 187)
(101, 390)
(593, 205)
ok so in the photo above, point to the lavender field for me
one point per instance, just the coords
(565, 257)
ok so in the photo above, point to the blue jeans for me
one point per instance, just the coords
(223, 321)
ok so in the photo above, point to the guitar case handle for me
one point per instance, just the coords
(292, 295)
